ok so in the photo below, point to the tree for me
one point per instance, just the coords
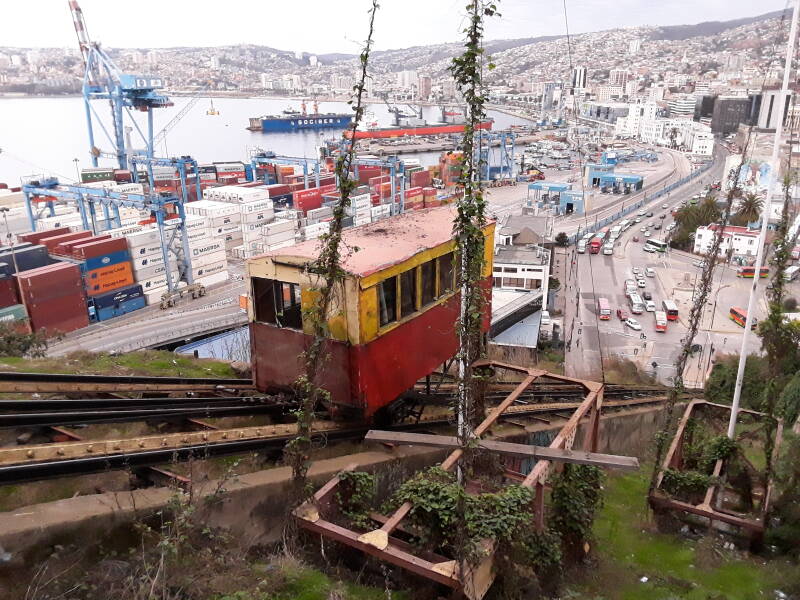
(749, 210)
(14, 343)
(790, 305)
(673, 135)
(562, 239)
(722, 380)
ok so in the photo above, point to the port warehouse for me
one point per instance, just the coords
(103, 271)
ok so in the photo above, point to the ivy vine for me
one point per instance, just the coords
(330, 275)
(355, 495)
(577, 495)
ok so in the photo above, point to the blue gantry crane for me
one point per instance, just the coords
(103, 80)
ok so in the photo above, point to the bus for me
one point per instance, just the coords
(583, 242)
(790, 274)
(608, 248)
(670, 309)
(656, 245)
(661, 321)
(603, 309)
(624, 225)
(616, 231)
(750, 272)
(636, 303)
(595, 244)
(739, 316)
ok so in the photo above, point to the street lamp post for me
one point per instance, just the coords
(4, 210)
(77, 169)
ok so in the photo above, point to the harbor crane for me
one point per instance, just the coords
(103, 80)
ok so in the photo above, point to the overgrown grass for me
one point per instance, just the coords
(145, 362)
(635, 561)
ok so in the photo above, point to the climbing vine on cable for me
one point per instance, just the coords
(328, 274)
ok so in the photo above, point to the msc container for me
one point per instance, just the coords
(35, 236)
(52, 242)
(99, 248)
(101, 281)
(96, 174)
(117, 296)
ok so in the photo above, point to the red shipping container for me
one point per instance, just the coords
(421, 178)
(61, 315)
(307, 200)
(375, 181)
(296, 187)
(376, 199)
(428, 191)
(51, 242)
(277, 189)
(48, 283)
(34, 236)
(414, 191)
(228, 179)
(8, 292)
(99, 248)
(66, 248)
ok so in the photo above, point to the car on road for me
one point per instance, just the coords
(622, 314)
(650, 306)
(643, 229)
(664, 216)
(636, 270)
(630, 283)
(545, 318)
(641, 213)
(649, 249)
(650, 214)
(657, 226)
(699, 263)
(647, 295)
(647, 233)
(650, 272)
(637, 220)
(665, 206)
(671, 226)
(633, 324)
(636, 238)
(641, 283)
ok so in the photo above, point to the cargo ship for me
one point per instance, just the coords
(300, 121)
(436, 129)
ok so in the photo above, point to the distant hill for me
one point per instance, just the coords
(684, 32)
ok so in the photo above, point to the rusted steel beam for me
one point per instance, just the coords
(578, 457)
(163, 477)
(59, 434)
(703, 511)
(379, 537)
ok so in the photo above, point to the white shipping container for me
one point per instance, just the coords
(282, 236)
(143, 238)
(220, 277)
(222, 220)
(153, 297)
(278, 246)
(279, 226)
(225, 230)
(320, 213)
(157, 283)
(261, 217)
(239, 252)
(141, 251)
(209, 248)
(207, 259)
(124, 231)
(130, 188)
(257, 206)
(152, 260)
(211, 269)
(210, 208)
(145, 273)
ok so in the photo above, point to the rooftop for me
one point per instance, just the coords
(383, 243)
(521, 255)
(732, 230)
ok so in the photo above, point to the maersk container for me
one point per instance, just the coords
(117, 296)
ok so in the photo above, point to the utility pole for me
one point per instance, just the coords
(773, 178)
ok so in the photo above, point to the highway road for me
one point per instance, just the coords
(588, 277)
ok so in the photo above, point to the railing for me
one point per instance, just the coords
(173, 335)
(599, 224)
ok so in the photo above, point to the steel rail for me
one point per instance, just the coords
(15, 382)
(32, 463)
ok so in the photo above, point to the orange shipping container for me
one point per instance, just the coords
(107, 279)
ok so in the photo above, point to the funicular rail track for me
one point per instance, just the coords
(108, 399)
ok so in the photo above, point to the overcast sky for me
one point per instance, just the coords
(321, 26)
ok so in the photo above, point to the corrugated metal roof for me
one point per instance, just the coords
(381, 244)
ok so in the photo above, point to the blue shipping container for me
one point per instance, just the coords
(97, 262)
(117, 310)
(117, 296)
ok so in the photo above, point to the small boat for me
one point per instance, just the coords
(291, 112)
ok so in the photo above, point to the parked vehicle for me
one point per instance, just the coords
(641, 283)
(650, 272)
(633, 324)
(650, 306)
(647, 295)
(622, 314)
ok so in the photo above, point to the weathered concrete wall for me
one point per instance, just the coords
(253, 506)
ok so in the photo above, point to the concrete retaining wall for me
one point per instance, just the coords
(253, 506)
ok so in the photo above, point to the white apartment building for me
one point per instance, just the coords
(609, 92)
(521, 268)
(682, 106)
(741, 241)
(631, 126)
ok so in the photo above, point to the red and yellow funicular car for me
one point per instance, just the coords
(392, 320)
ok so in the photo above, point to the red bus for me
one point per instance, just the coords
(739, 316)
(671, 309)
(661, 321)
(595, 244)
(750, 272)
(603, 309)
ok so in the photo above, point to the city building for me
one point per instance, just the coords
(579, 77)
(618, 77)
(728, 113)
(407, 79)
(682, 105)
(605, 112)
(736, 241)
(634, 46)
(609, 92)
(425, 84)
